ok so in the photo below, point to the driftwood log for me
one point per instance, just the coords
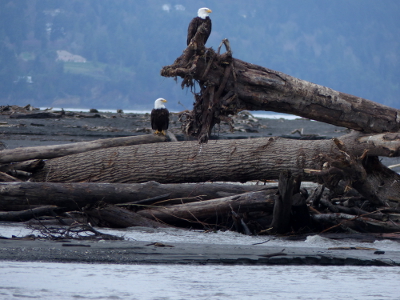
(28, 214)
(46, 152)
(283, 204)
(202, 214)
(356, 223)
(229, 85)
(211, 211)
(26, 195)
(114, 216)
(239, 160)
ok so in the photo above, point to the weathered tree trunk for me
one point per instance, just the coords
(7, 178)
(116, 217)
(228, 85)
(45, 152)
(283, 204)
(17, 196)
(211, 210)
(239, 160)
(25, 215)
(354, 223)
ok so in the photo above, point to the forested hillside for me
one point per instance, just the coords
(109, 53)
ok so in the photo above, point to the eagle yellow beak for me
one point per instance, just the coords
(163, 100)
(209, 11)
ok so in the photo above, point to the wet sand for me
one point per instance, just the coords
(136, 252)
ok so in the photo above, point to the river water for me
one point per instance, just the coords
(33, 280)
(40, 280)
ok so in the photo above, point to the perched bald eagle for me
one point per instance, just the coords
(202, 17)
(159, 116)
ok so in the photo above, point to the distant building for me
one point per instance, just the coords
(63, 55)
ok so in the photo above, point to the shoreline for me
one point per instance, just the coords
(75, 127)
(136, 252)
(258, 114)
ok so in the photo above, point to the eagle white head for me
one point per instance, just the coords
(159, 103)
(204, 12)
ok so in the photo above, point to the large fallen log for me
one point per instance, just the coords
(25, 215)
(354, 223)
(46, 152)
(25, 195)
(229, 85)
(116, 217)
(225, 160)
(211, 210)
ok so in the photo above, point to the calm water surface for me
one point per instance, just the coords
(35, 280)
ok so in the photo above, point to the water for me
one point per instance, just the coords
(36, 280)
(176, 235)
(256, 114)
(33, 280)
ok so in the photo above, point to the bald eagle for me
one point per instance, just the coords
(159, 116)
(202, 17)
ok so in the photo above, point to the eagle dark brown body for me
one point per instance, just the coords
(159, 119)
(195, 24)
(159, 116)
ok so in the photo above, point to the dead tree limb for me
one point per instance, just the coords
(211, 210)
(46, 152)
(116, 217)
(17, 196)
(354, 223)
(283, 204)
(25, 215)
(7, 178)
(243, 85)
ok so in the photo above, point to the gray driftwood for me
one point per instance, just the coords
(283, 204)
(229, 85)
(238, 160)
(113, 216)
(351, 223)
(210, 211)
(22, 195)
(28, 214)
(46, 152)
